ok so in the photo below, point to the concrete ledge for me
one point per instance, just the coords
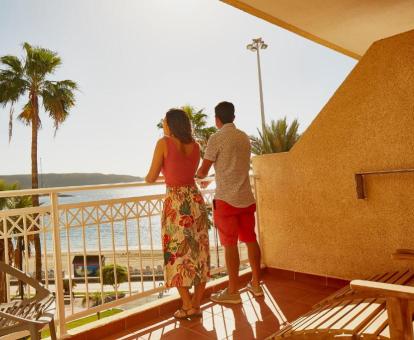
(324, 281)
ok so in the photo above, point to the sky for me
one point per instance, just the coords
(135, 59)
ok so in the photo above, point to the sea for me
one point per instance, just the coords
(130, 235)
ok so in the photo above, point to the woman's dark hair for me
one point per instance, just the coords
(180, 125)
(225, 112)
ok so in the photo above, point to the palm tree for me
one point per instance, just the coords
(198, 119)
(277, 137)
(27, 79)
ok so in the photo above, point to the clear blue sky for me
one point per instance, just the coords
(135, 59)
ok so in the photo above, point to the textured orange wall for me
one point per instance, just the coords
(310, 218)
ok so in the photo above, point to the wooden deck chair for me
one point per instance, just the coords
(377, 308)
(31, 314)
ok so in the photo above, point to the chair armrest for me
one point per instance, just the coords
(403, 254)
(18, 274)
(387, 290)
(19, 319)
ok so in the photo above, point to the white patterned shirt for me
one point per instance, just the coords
(230, 151)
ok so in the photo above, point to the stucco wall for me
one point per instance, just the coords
(310, 218)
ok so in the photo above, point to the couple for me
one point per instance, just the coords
(185, 220)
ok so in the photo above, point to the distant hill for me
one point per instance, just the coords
(63, 180)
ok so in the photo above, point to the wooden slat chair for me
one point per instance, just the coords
(379, 308)
(31, 314)
(395, 277)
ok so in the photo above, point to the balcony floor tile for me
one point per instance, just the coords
(255, 318)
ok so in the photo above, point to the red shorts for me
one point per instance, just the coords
(234, 223)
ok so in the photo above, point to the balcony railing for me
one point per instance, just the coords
(116, 224)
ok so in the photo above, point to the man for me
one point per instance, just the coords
(234, 205)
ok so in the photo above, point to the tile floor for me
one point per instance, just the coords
(255, 318)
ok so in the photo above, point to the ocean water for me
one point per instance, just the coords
(96, 195)
(132, 234)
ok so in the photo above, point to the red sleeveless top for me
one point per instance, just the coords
(179, 169)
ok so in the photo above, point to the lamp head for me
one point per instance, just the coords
(250, 47)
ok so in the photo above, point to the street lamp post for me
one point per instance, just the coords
(257, 45)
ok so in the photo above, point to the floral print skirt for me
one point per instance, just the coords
(185, 237)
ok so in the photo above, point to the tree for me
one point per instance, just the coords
(198, 119)
(15, 250)
(277, 137)
(108, 275)
(27, 79)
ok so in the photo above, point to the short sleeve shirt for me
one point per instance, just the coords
(230, 151)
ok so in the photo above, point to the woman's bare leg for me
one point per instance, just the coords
(198, 295)
(187, 310)
(185, 297)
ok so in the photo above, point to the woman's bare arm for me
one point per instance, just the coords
(157, 161)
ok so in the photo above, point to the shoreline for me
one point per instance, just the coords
(138, 261)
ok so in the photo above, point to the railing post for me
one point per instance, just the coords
(60, 303)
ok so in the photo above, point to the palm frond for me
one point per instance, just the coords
(3, 200)
(40, 62)
(277, 137)
(58, 97)
(12, 85)
(12, 82)
(257, 145)
(13, 63)
(26, 115)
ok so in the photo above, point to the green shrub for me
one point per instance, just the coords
(108, 274)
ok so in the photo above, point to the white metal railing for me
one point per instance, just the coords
(119, 230)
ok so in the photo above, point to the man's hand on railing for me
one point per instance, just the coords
(204, 181)
(204, 184)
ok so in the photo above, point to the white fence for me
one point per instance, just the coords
(80, 237)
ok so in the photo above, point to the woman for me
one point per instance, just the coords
(184, 219)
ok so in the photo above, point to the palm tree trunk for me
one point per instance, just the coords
(35, 181)
(19, 263)
(3, 284)
(3, 295)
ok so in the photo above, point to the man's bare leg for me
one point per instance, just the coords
(254, 254)
(231, 254)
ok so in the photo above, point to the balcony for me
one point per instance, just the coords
(122, 228)
(91, 227)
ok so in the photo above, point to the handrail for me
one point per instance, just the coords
(43, 191)
(359, 178)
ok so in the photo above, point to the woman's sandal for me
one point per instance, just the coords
(182, 314)
(197, 312)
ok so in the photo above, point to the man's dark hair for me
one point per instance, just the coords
(225, 112)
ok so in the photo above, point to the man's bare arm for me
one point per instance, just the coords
(204, 169)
